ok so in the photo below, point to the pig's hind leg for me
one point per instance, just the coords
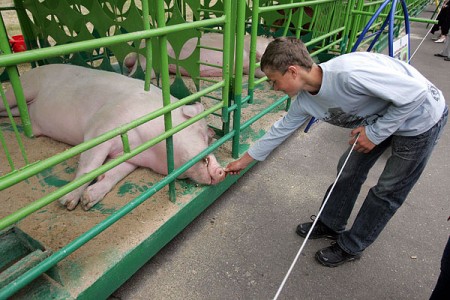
(105, 183)
(30, 92)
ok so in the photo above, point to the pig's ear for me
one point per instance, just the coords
(193, 109)
(258, 56)
(211, 133)
(261, 46)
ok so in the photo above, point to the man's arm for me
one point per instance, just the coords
(277, 134)
(404, 93)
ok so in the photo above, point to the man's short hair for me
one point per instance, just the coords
(284, 52)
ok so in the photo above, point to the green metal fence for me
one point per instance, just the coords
(100, 34)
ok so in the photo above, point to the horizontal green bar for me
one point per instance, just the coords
(211, 10)
(292, 5)
(38, 54)
(207, 79)
(210, 65)
(210, 48)
(373, 3)
(328, 46)
(411, 19)
(322, 37)
(261, 80)
(214, 98)
(208, 29)
(264, 112)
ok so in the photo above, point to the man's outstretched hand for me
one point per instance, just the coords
(237, 166)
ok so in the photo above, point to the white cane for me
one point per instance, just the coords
(315, 220)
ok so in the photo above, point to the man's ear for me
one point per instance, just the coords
(294, 70)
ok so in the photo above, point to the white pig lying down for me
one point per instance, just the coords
(72, 104)
(214, 40)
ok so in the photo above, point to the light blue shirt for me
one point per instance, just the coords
(384, 94)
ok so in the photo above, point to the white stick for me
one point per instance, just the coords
(314, 222)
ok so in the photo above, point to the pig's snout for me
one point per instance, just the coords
(218, 176)
(215, 170)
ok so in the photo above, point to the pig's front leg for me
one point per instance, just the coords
(258, 72)
(70, 200)
(89, 160)
(96, 192)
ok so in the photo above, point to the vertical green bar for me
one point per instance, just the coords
(252, 58)
(16, 133)
(240, 31)
(354, 25)
(148, 44)
(300, 22)
(15, 82)
(226, 68)
(288, 21)
(239, 59)
(229, 35)
(165, 80)
(347, 24)
(232, 17)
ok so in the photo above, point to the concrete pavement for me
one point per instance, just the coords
(242, 246)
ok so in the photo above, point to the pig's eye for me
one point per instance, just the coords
(206, 161)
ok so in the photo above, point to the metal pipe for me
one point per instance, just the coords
(148, 46)
(13, 75)
(397, 17)
(293, 5)
(226, 71)
(43, 53)
(252, 57)
(162, 40)
(238, 75)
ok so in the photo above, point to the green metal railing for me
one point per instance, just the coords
(9, 60)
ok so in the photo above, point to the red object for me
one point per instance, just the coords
(17, 43)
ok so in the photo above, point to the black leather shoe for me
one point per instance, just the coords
(439, 55)
(319, 231)
(447, 59)
(334, 256)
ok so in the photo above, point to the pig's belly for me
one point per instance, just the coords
(61, 118)
(154, 158)
(58, 128)
(59, 132)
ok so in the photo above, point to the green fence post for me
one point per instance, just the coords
(15, 82)
(166, 94)
(240, 31)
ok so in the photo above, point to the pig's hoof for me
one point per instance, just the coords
(87, 201)
(87, 206)
(92, 195)
(70, 204)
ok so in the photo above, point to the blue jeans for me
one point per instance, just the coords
(402, 170)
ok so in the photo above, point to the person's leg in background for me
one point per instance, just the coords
(442, 290)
